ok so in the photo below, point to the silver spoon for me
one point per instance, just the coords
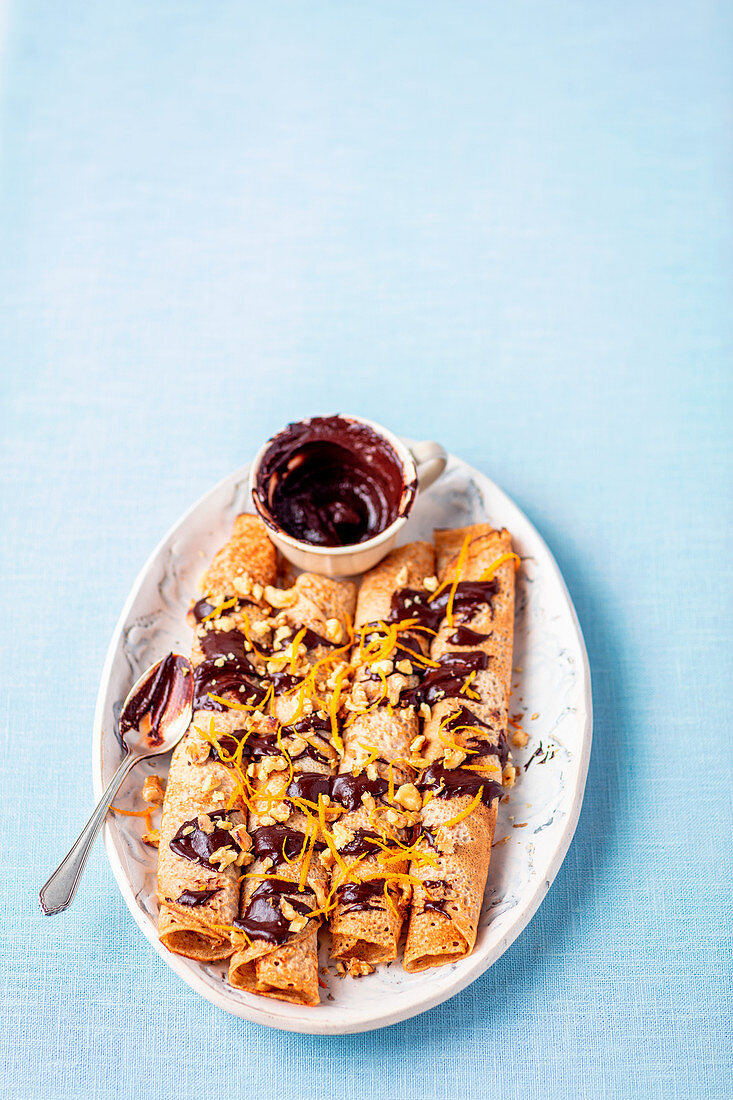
(154, 718)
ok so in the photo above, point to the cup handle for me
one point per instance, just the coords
(430, 460)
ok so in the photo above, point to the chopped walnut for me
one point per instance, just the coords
(418, 743)
(430, 583)
(509, 775)
(287, 910)
(408, 796)
(278, 597)
(334, 632)
(224, 856)
(242, 837)
(277, 664)
(335, 673)
(396, 819)
(205, 824)
(519, 738)
(424, 711)
(298, 924)
(453, 758)
(152, 838)
(358, 968)
(341, 834)
(153, 790)
(280, 812)
(384, 666)
(210, 784)
(405, 667)
(372, 771)
(244, 859)
(272, 764)
(242, 585)
(198, 751)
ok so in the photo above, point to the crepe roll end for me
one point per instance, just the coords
(288, 974)
(193, 942)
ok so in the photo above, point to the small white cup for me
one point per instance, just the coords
(422, 463)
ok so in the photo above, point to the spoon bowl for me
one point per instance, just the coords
(154, 717)
(158, 707)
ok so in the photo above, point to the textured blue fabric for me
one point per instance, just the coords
(504, 226)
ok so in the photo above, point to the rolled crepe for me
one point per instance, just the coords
(466, 738)
(203, 826)
(277, 953)
(370, 907)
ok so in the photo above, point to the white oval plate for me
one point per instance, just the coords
(552, 681)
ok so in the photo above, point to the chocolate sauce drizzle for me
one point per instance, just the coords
(363, 842)
(420, 831)
(197, 897)
(348, 789)
(463, 635)
(360, 896)
(311, 640)
(202, 608)
(221, 674)
(284, 681)
(447, 680)
(433, 904)
(450, 782)
(277, 842)
(224, 643)
(263, 919)
(414, 603)
(309, 786)
(198, 846)
(481, 746)
(256, 745)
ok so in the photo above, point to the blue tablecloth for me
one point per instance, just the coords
(504, 226)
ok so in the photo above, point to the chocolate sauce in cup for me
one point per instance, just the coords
(335, 491)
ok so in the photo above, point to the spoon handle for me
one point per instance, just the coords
(58, 893)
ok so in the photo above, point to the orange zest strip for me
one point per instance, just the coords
(466, 689)
(333, 706)
(389, 901)
(307, 860)
(218, 610)
(459, 566)
(233, 931)
(328, 836)
(488, 573)
(130, 813)
(247, 631)
(468, 810)
(233, 705)
(294, 649)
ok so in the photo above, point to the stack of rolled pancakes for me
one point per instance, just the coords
(339, 772)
